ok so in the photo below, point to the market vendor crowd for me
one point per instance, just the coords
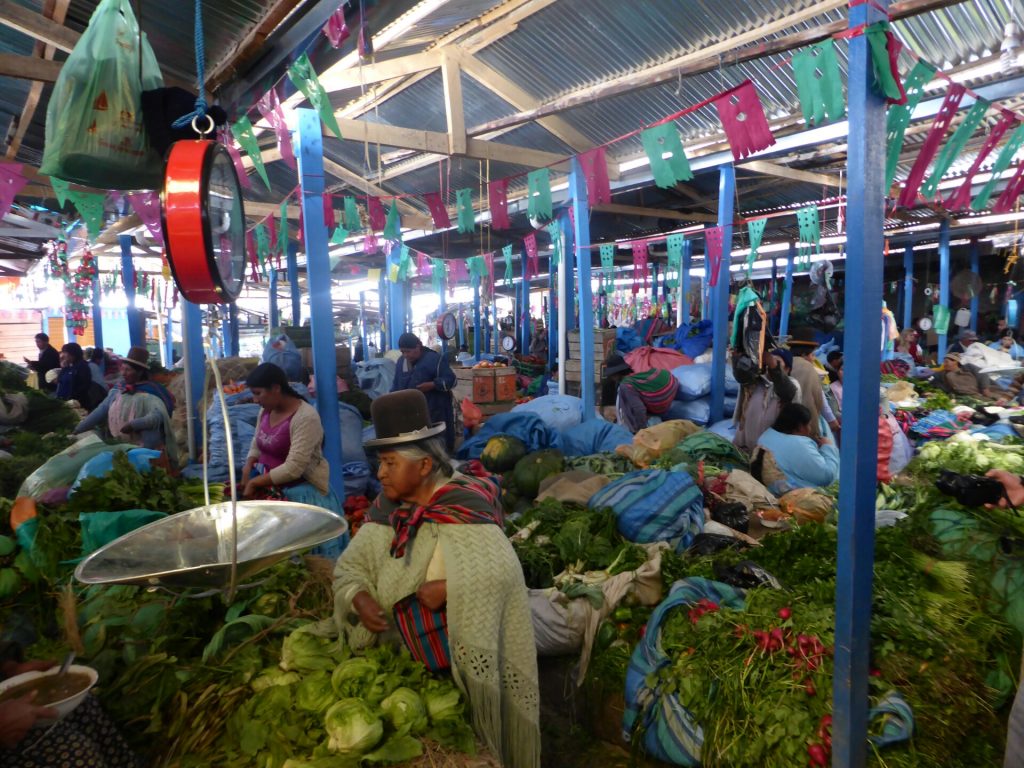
(431, 567)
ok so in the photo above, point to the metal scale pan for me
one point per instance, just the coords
(193, 549)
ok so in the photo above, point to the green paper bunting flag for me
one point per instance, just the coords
(282, 230)
(60, 189)
(506, 252)
(555, 231)
(955, 146)
(608, 266)
(816, 70)
(304, 76)
(674, 246)
(538, 185)
(477, 267)
(899, 116)
(437, 275)
(393, 224)
(262, 238)
(246, 136)
(940, 319)
(464, 204)
(810, 231)
(404, 260)
(659, 140)
(1006, 155)
(90, 207)
(887, 83)
(755, 231)
(339, 235)
(351, 217)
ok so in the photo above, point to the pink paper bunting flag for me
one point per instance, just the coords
(375, 208)
(1012, 191)
(370, 243)
(270, 107)
(640, 260)
(423, 265)
(12, 179)
(595, 171)
(271, 226)
(962, 197)
(955, 94)
(743, 119)
(336, 29)
(147, 206)
(330, 221)
(438, 211)
(254, 261)
(489, 260)
(497, 199)
(225, 138)
(532, 258)
(713, 237)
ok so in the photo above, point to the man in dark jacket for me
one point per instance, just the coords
(49, 359)
(74, 382)
(424, 369)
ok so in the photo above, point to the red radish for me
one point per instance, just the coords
(785, 613)
(818, 755)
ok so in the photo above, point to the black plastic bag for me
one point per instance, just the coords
(712, 543)
(733, 514)
(746, 575)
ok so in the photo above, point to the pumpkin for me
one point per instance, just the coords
(531, 470)
(24, 508)
(502, 452)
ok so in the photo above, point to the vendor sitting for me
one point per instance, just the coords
(636, 396)
(137, 410)
(433, 553)
(1008, 344)
(74, 382)
(966, 381)
(787, 457)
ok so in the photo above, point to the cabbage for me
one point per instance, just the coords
(352, 728)
(354, 677)
(314, 693)
(273, 676)
(305, 652)
(443, 702)
(405, 709)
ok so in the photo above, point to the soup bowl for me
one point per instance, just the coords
(64, 706)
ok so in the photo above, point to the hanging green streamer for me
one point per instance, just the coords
(885, 79)
(608, 266)
(351, 217)
(262, 238)
(659, 140)
(464, 205)
(437, 275)
(810, 231)
(282, 230)
(755, 231)
(90, 207)
(339, 235)
(60, 189)
(246, 136)
(555, 231)
(393, 224)
(477, 267)
(674, 246)
(538, 184)
(899, 116)
(818, 82)
(404, 260)
(304, 76)
(1006, 155)
(955, 146)
(506, 252)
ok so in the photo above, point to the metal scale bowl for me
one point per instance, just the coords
(214, 546)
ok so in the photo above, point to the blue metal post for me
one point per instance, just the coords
(908, 285)
(362, 326)
(496, 325)
(787, 292)
(293, 282)
(476, 316)
(310, 154)
(97, 314)
(396, 309)
(773, 302)
(553, 311)
(443, 306)
(976, 269)
(195, 367)
(570, 297)
(720, 292)
(232, 340)
(581, 220)
(859, 451)
(684, 279)
(943, 280)
(275, 313)
(487, 328)
(135, 327)
(524, 310)
(168, 350)
(382, 295)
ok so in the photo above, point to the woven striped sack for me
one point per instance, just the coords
(424, 631)
(654, 505)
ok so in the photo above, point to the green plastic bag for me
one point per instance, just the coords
(94, 130)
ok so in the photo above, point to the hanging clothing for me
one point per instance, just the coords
(759, 404)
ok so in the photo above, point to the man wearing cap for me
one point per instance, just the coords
(49, 359)
(963, 341)
(636, 396)
(429, 372)
(957, 379)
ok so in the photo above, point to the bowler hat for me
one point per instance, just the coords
(137, 357)
(401, 417)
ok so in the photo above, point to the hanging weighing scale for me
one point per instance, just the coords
(509, 343)
(447, 326)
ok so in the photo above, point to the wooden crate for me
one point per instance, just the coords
(604, 343)
(504, 384)
(574, 370)
(483, 387)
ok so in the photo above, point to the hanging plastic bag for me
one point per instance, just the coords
(472, 416)
(94, 129)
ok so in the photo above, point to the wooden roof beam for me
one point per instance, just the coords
(29, 68)
(455, 116)
(793, 174)
(37, 26)
(661, 213)
(248, 48)
(376, 72)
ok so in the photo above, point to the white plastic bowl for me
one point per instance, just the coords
(66, 706)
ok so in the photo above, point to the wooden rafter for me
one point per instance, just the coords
(249, 47)
(793, 174)
(661, 213)
(29, 68)
(37, 26)
(454, 111)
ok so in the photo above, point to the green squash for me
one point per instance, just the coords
(531, 470)
(502, 452)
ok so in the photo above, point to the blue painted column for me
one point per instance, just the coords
(773, 298)
(581, 243)
(908, 285)
(524, 310)
(195, 370)
(570, 247)
(310, 153)
(136, 330)
(476, 316)
(720, 292)
(495, 345)
(944, 281)
(385, 322)
(275, 313)
(293, 282)
(168, 350)
(684, 281)
(553, 310)
(859, 450)
(976, 269)
(231, 340)
(97, 314)
(362, 326)
(486, 346)
(787, 292)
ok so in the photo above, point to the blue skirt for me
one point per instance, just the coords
(306, 493)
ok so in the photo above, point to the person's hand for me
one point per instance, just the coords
(821, 440)
(127, 429)
(426, 386)
(12, 668)
(433, 594)
(773, 361)
(17, 716)
(1012, 484)
(250, 488)
(26, 360)
(370, 613)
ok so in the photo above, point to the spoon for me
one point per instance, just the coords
(66, 665)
